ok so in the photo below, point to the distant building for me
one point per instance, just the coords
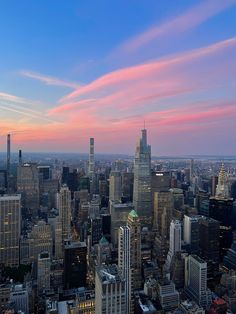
(10, 227)
(64, 207)
(115, 186)
(142, 180)
(28, 186)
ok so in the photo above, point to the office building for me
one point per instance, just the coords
(133, 222)
(175, 241)
(19, 298)
(43, 272)
(142, 180)
(127, 186)
(28, 186)
(119, 215)
(75, 265)
(124, 262)
(196, 280)
(115, 186)
(168, 296)
(64, 207)
(191, 233)
(10, 226)
(209, 236)
(163, 210)
(110, 296)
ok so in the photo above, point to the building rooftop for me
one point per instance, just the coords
(74, 245)
(109, 274)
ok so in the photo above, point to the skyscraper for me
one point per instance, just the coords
(196, 280)
(175, 241)
(191, 233)
(28, 186)
(115, 186)
(222, 188)
(64, 207)
(8, 159)
(75, 265)
(10, 222)
(43, 273)
(133, 222)
(91, 168)
(124, 262)
(142, 180)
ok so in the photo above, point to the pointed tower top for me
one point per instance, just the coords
(133, 214)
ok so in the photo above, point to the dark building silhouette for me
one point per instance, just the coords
(75, 265)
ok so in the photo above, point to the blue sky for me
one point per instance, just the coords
(82, 41)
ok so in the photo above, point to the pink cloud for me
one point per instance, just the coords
(151, 69)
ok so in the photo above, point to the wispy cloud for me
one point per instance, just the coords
(49, 80)
(182, 23)
(20, 105)
(148, 78)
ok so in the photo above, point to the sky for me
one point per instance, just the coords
(71, 70)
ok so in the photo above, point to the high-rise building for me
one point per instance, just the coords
(91, 167)
(8, 160)
(209, 235)
(196, 280)
(10, 224)
(28, 186)
(110, 296)
(115, 186)
(142, 180)
(191, 233)
(127, 179)
(43, 273)
(124, 262)
(75, 265)
(133, 222)
(175, 241)
(41, 240)
(162, 215)
(64, 207)
(222, 188)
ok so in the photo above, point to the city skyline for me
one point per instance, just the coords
(100, 69)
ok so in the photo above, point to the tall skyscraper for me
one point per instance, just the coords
(110, 294)
(196, 280)
(8, 160)
(175, 241)
(191, 233)
(124, 262)
(91, 168)
(142, 180)
(64, 207)
(10, 223)
(115, 186)
(133, 222)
